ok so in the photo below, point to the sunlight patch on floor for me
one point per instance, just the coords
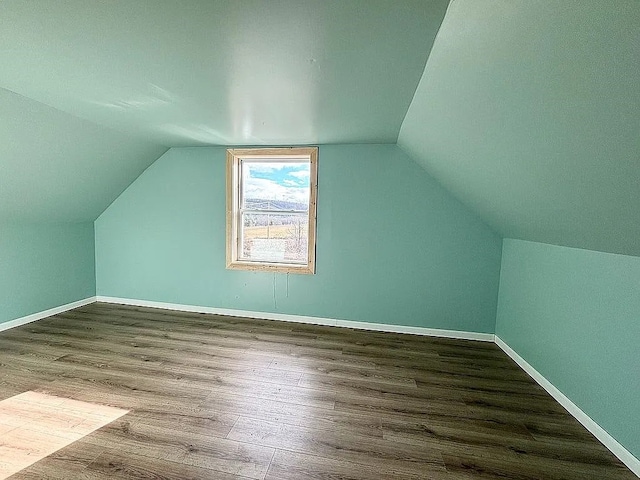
(34, 425)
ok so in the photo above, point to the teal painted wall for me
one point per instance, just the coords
(393, 246)
(529, 112)
(43, 266)
(574, 315)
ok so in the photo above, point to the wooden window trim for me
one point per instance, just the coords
(233, 208)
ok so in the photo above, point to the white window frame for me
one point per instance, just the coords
(234, 191)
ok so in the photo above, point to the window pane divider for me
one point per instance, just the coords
(273, 212)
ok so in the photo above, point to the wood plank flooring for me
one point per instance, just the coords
(214, 397)
(35, 425)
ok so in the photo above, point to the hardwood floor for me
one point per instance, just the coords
(225, 398)
(34, 425)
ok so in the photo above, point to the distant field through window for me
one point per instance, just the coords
(271, 209)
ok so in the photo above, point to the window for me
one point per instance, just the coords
(271, 209)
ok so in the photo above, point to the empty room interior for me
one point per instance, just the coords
(320, 239)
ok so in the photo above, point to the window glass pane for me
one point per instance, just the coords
(272, 237)
(275, 185)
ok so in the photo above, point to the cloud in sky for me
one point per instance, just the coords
(261, 188)
(268, 167)
(277, 181)
(302, 174)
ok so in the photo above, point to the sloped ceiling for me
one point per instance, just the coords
(92, 92)
(55, 167)
(529, 112)
(228, 72)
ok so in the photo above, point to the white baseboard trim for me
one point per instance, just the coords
(607, 440)
(285, 317)
(44, 314)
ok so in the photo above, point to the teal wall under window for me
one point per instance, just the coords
(43, 266)
(392, 245)
(574, 315)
